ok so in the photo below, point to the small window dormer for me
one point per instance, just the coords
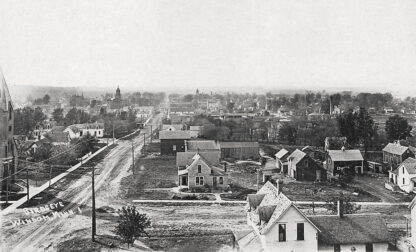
(199, 168)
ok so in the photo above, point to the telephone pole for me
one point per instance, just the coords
(93, 206)
(113, 132)
(27, 182)
(151, 133)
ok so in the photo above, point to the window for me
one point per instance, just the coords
(174, 147)
(368, 247)
(221, 180)
(301, 231)
(337, 248)
(5, 151)
(199, 168)
(10, 128)
(80, 133)
(282, 232)
(403, 170)
(10, 111)
(199, 180)
(403, 181)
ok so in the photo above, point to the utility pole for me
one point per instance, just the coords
(144, 142)
(132, 153)
(113, 132)
(93, 206)
(27, 182)
(151, 133)
(7, 183)
(50, 175)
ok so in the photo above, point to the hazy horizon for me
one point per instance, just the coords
(242, 46)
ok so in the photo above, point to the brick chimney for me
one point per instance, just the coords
(340, 208)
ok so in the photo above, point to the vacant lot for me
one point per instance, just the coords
(152, 178)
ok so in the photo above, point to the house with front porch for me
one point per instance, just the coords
(277, 224)
(199, 173)
(405, 175)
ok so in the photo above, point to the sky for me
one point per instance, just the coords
(228, 45)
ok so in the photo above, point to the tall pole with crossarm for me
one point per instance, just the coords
(93, 206)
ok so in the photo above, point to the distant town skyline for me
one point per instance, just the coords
(241, 46)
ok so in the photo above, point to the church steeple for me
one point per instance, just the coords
(118, 93)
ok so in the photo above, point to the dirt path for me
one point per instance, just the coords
(375, 186)
(42, 235)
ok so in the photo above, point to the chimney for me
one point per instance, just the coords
(340, 208)
(278, 185)
(343, 148)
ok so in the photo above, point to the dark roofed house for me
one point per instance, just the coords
(240, 150)
(303, 167)
(173, 141)
(344, 162)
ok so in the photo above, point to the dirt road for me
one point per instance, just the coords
(41, 234)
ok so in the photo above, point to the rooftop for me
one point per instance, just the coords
(195, 145)
(395, 148)
(410, 165)
(345, 155)
(281, 153)
(176, 134)
(239, 144)
(296, 156)
(351, 228)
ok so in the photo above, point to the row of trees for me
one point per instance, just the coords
(358, 127)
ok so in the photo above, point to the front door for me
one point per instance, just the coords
(214, 181)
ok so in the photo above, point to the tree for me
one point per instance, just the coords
(42, 153)
(347, 206)
(397, 128)
(347, 127)
(46, 99)
(131, 224)
(288, 133)
(366, 129)
(27, 119)
(58, 115)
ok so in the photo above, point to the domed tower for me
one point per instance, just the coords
(118, 93)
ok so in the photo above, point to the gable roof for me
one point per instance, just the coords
(351, 228)
(239, 144)
(345, 155)
(194, 145)
(215, 171)
(281, 153)
(410, 165)
(296, 156)
(395, 148)
(174, 134)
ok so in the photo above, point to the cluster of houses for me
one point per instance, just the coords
(57, 135)
(202, 163)
(277, 224)
(310, 164)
